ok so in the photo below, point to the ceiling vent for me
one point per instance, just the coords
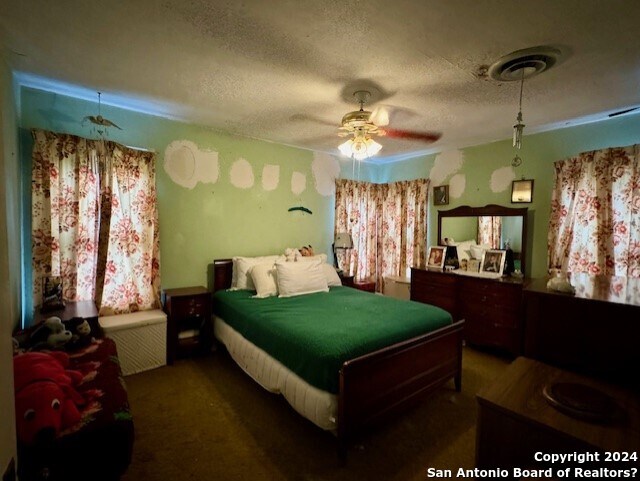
(524, 63)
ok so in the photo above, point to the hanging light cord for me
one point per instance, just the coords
(520, 103)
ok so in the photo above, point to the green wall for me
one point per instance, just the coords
(211, 220)
(539, 152)
(9, 258)
(219, 220)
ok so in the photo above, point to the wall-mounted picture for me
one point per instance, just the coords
(493, 261)
(52, 293)
(435, 257)
(522, 191)
(441, 195)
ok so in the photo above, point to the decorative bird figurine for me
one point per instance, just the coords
(100, 120)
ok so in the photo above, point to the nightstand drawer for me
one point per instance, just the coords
(194, 306)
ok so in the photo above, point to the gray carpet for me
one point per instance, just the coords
(205, 419)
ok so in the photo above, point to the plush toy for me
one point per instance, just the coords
(306, 251)
(51, 334)
(80, 333)
(559, 282)
(46, 399)
(291, 254)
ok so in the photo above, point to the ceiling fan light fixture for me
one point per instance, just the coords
(360, 148)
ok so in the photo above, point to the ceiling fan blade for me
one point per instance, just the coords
(380, 116)
(428, 137)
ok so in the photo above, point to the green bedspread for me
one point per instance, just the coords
(314, 334)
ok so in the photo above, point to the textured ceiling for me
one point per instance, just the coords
(285, 71)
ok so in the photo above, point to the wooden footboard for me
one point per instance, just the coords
(389, 380)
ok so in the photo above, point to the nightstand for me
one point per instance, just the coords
(189, 326)
(368, 286)
(346, 280)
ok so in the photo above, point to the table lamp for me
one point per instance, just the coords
(342, 240)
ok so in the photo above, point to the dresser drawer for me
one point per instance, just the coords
(434, 288)
(420, 277)
(491, 301)
(489, 333)
(490, 313)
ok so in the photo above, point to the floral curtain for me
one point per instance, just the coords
(94, 222)
(594, 226)
(357, 206)
(489, 231)
(402, 232)
(388, 224)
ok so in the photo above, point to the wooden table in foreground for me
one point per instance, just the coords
(515, 421)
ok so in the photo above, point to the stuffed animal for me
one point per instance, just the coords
(291, 254)
(306, 251)
(80, 333)
(45, 395)
(559, 282)
(51, 334)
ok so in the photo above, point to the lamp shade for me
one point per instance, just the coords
(360, 147)
(343, 240)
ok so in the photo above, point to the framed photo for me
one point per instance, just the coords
(51, 293)
(435, 257)
(493, 261)
(441, 195)
(522, 191)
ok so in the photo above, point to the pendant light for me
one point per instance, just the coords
(518, 128)
(518, 66)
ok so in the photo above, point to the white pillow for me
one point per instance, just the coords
(241, 277)
(478, 250)
(297, 278)
(321, 257)
(464, 249)
(264, 278)
(330, 273)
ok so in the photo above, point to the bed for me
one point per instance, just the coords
(340, 381)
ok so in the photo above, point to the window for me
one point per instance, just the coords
(594, 226)
(95, 222)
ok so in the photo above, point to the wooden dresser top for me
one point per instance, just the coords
(620, 290)
(518, 393)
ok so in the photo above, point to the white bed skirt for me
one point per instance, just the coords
(320, 407)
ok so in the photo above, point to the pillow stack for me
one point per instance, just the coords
(274, 276)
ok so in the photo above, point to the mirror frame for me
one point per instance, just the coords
(491, 210)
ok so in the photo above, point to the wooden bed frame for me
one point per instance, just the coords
(386, 381)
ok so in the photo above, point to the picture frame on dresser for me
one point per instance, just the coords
(435, 257)
(493, 261)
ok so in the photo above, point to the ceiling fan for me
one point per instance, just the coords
(99, 120)
(363, 125)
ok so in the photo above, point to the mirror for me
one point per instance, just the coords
(461, 224)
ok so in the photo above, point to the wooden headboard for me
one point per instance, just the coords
(222, 272)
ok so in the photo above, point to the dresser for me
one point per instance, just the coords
(594, 331)
(491, 308)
